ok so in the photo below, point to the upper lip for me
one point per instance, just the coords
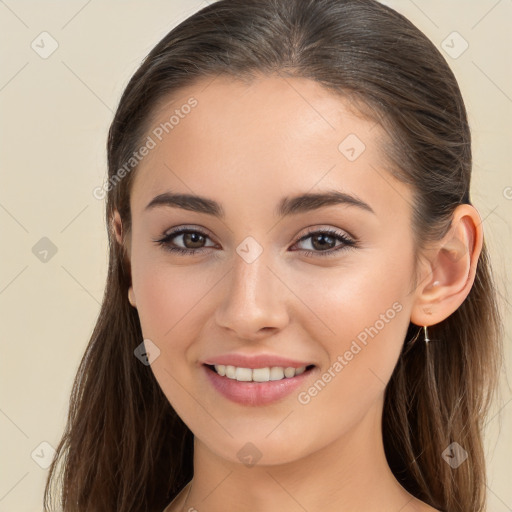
(256, 361)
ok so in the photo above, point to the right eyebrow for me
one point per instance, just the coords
(187, 202)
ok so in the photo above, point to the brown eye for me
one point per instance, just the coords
(323, 242)
(192, 239)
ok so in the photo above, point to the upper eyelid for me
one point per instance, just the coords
(332, 231)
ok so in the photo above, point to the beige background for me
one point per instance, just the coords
(55, 114)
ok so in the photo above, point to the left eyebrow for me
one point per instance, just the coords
(302, 203)
(308, 202)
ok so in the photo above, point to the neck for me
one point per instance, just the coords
(348, 474)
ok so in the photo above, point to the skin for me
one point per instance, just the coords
(247, 146)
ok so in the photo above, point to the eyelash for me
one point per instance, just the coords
(347, 242)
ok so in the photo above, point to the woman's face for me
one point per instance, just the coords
(266, 279)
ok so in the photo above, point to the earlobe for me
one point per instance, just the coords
(131, 297)
(452, 269)
(117, 230)
(117, 227)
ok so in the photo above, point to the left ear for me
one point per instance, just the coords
(450, 273)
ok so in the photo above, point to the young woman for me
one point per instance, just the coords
(299, 312)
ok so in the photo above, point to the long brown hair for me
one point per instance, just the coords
(124, 448)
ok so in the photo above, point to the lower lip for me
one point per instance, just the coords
(255, 393)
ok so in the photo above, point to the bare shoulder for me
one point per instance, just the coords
(419, 506)
(175, 506)
(427, 508)
(178, 502)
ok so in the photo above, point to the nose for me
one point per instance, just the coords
(255, 300)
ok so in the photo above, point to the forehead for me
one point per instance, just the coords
(257, 142)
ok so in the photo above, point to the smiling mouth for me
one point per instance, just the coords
(266, 374)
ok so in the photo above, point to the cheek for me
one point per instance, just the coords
(167, 296)
(370, 322)
(170, 301)
(344, 303)
(365, 312)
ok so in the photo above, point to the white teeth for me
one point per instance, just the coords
(289, 372)
(276, 373)
(261, 374)
(243, 374)
(257, 374)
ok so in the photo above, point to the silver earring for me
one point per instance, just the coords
(426, 334)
